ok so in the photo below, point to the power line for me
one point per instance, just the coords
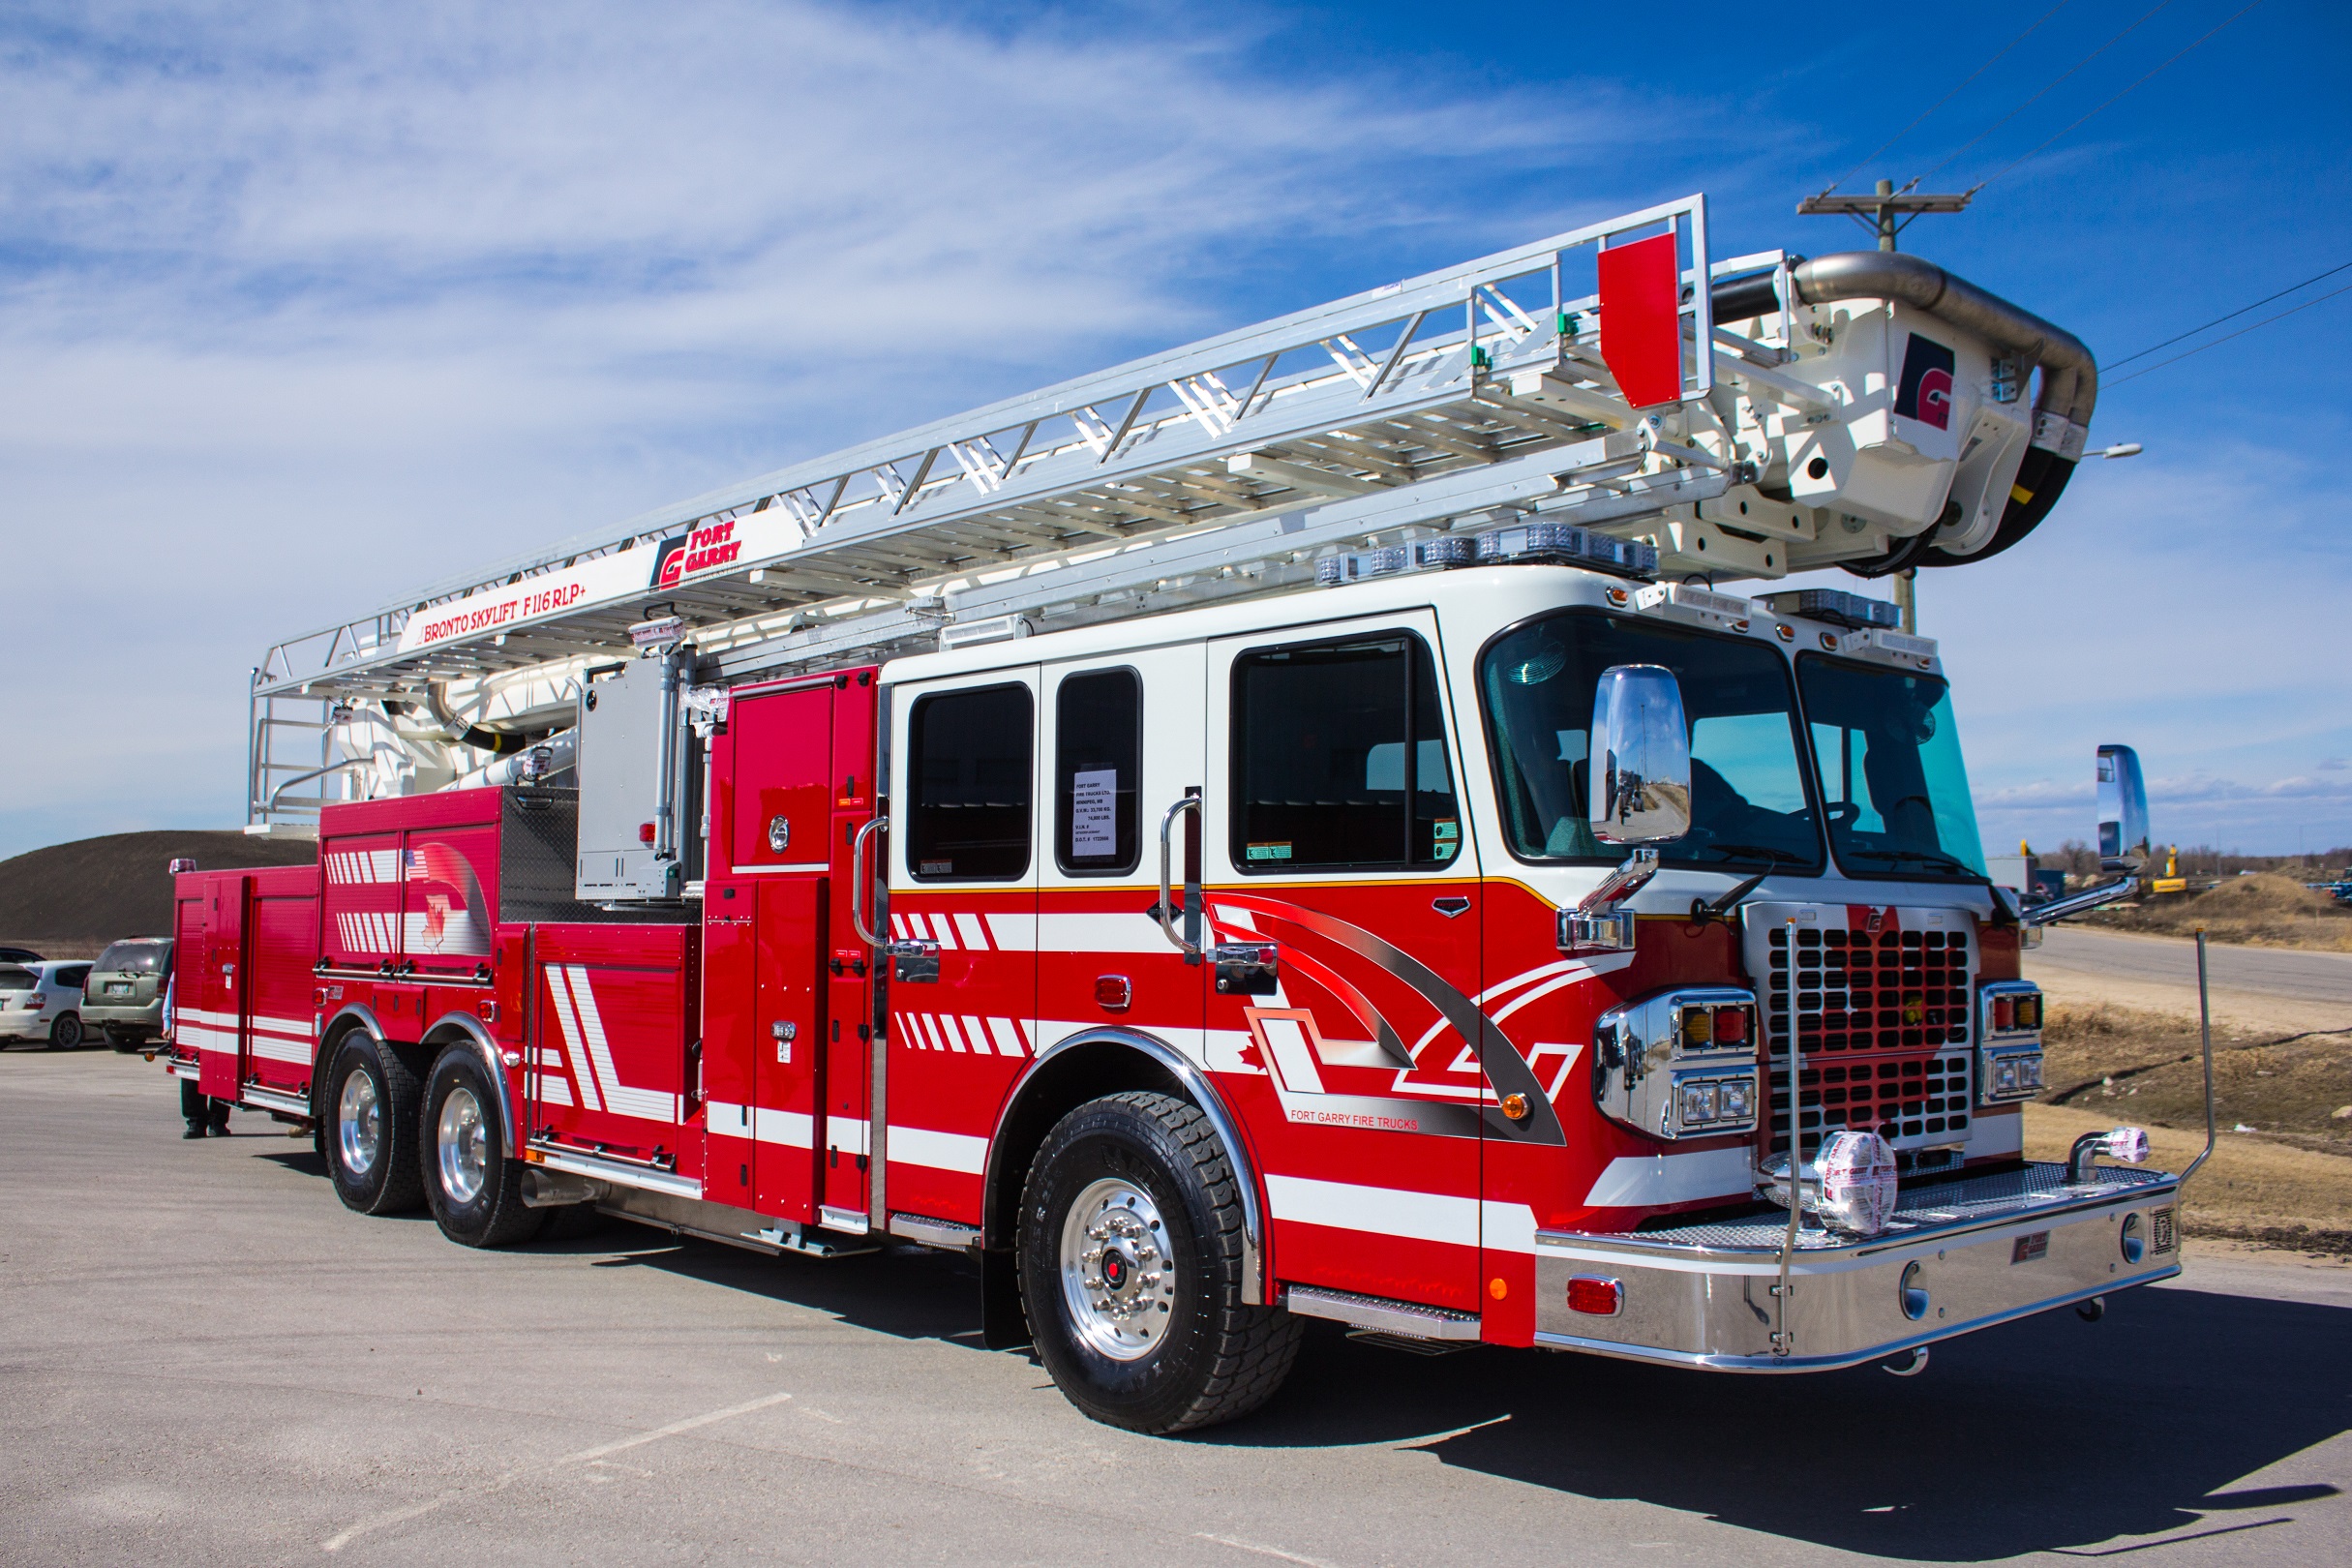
(2069, 129)
(2231, 317)
(1949, 97)
(2046, 89)
(2240, 333)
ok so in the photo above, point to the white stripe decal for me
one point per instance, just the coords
(559, 987)
(1013, 933)
(968, 926)
(939, 1151)
(1008, 1038)
(554, 1091)
(1101, 933)
(651, 1103)
(940, 929)
(1378, 1211)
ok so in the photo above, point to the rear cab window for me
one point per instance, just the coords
(968, 773)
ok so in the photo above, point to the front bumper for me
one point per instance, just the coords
(1988, 1248)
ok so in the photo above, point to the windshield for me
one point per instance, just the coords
(1887, 754)
(1748, 801)
(137, 957)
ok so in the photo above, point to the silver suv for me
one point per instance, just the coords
(125, 994)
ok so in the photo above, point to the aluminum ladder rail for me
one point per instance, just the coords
(1380, 393)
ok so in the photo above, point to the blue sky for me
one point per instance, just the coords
(303, 306)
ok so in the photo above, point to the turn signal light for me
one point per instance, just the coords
(645, 832)
(1596, 1297)
(1113, 993)
(2005, 1012)
(1731, 1026)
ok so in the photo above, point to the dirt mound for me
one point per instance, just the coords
(2265, 910)
(70, 900)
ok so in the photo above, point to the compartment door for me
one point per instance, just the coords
(226, 982)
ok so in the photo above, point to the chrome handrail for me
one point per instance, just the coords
(862, 885)
(1167, 892)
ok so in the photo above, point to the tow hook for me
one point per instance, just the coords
(1911, 1364)
(2091, 1311)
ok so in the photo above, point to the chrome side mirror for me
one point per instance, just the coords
(2123, 810)
(1640, 752)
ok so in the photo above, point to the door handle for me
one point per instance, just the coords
(1187, 942)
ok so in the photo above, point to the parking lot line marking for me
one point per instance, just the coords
(1240, 1545)
(586, 1456)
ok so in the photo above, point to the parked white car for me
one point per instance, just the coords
(43, 1001)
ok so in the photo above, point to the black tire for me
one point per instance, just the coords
(476, 1190)
(372, 1154)
(1214, 1358)
(65, 1032)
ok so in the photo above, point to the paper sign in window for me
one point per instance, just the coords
(1094, 811)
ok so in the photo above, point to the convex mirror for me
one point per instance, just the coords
(1641, 775)
(2123, 810)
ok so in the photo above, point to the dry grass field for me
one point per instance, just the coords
(2266, 910)
(2286, 1180)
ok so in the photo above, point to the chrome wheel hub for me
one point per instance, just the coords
(461, 1143)
(1118, 1279)
(359, 1123)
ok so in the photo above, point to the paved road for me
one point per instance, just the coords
(2283, 973)
(204, 1359)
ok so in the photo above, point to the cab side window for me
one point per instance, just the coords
(1340, 758)
(1097, 767)
(969, 772)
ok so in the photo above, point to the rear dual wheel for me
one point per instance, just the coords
(370, 1127)
(476, 1190)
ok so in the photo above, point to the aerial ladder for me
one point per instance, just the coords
(1679, 415)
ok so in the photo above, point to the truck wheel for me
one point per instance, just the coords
(1130, 1253)
(65, 1034)
(476, 1192)
(370, 1128)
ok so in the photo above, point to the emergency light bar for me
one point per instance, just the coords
(1836, 606)
(1555, 544)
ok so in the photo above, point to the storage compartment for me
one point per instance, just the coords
(421, 881)
(639, 800)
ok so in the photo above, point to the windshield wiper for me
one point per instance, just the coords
(1935, 858)
(1761, 852)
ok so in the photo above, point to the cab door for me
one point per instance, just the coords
(1123, 744)
(963, 857)
(1347, 892)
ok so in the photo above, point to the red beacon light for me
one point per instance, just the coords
(1731, 1026)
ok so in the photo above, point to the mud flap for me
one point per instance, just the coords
(1004, 1325)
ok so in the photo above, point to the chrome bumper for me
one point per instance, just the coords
(1989, 1248)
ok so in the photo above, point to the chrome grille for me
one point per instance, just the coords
(1884, 1021)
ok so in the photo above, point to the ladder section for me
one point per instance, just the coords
(1394, 402)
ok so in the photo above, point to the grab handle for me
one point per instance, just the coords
(862, 883)
(1187, 941)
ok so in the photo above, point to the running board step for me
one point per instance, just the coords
(1402, 1318)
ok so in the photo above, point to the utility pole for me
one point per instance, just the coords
(1886, 212)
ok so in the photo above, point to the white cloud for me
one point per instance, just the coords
(305, 306)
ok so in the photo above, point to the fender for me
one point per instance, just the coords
(453, 1028)
(1195, 1085)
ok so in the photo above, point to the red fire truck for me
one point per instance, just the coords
(1286, 828)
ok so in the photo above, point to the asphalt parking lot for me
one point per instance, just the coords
(204, 1359)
